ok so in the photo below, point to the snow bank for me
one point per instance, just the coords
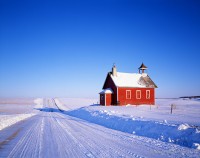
(181, 134)
(183, 127)
(39, 103)
(196, 146)
(60, 105)
(8, 120)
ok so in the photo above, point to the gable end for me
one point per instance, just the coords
(148, 82)
(109, 82)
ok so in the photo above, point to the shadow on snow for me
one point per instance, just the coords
(157, 130)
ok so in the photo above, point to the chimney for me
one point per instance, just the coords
(114, 70)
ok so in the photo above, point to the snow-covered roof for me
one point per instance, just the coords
(132, 80)
(108, 90)
(127, 79)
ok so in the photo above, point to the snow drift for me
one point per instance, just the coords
(181, 134)
(8, 120)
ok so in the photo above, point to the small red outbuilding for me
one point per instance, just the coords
(106, 97)
(128, 88)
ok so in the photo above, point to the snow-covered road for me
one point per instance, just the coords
(51, 133)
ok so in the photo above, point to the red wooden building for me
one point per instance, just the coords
(128, 88)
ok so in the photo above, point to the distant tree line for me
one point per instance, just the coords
(190, 97)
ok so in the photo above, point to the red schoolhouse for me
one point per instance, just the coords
(128, 88)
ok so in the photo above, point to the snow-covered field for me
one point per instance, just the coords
(15, 110)
(76, 127)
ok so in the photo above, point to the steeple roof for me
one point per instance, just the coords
(142, 67)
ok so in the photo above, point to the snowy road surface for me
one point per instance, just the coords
(51, 133)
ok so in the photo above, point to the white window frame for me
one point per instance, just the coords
(127, 94)
(148, 96)
(140, 95)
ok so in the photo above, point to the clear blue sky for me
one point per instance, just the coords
(65, 48)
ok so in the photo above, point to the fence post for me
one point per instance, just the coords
(172, 105)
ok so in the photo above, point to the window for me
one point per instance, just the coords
(147, 94)
(128, 94)
(138, 94)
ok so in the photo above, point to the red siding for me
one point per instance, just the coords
(143, 100)
(111, 99)
(108, 99)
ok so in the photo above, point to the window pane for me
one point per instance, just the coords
(147, 94)
(138, 94)
(128, 94)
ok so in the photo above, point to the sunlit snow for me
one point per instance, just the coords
(78, 127)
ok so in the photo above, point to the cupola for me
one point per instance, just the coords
(142, 68)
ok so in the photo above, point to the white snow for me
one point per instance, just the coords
(108, 90)
(127, 79)
(183, 126)
(196, 146)
(77, 127)
(60, 105)
(75, 103)
(38, 102)
(8, 120)
(13, 113)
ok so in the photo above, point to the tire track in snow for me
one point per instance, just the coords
(55, 134)
(83, 140)
(165, 149)
(29, 143)
(152, 147)
(9, 138)
(60, 136)
(90, 147)
(96, 144)
(120, 147)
